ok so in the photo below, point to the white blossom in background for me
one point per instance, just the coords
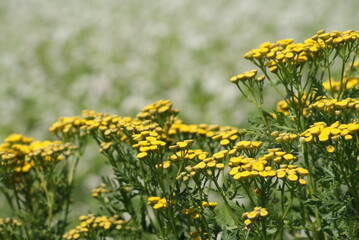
(59, 57)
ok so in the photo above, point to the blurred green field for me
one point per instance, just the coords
(60, 57)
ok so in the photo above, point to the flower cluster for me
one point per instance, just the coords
(203, 132)
(159, 107)
(284, 106)
(197, 235)
(192, 157)
(258, 214)
(181, 147)
(247, 76)
(8, 225)
(202, 162)
(284, 137)
(10, 228)
(147, 143)
(335, 86)
(158, 202)
(227, 138)
(194, 213)
(244, 168)
(22, 153)
(160, 112)
(334, 106)
(100, 190)
(250, 148)
(278, 156)
(284, 53)
(187, 155)
(292, 172)
(209, 204)
(67, 125)
(91, 223)
(320, 132)
(112, 127)
(178, 167)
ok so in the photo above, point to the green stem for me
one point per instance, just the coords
(233, 216)
(70, 185)
(17, 200)
(342, 83)
(264, 230)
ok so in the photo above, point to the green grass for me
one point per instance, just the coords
(60, 57)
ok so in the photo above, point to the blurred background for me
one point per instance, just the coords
(116, 56)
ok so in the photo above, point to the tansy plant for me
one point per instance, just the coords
(292, 176)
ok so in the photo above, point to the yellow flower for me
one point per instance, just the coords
(166, 164)
(271, 173)
(281, 174)
(263, 213)
(142, 155)
(224, 142)
(348, 137)
(280, 56)
(245, 174)
(330, 149)
(280, 154)
(220, 155)
(219, 165)
(308, 138)
(251, 73)
(211, 164)
(26, 167)
(163, 109)
(302, 182)
(302, 171)
(234, 79)
(200, 165)
(292, 177)
(247, 222)
(252, 215)
(288, 157)
(205, 204)
(334, 131)
(323, 137)
(234, 171)
(258, 166)
(238, 175)
(342, 104)
(76, 236)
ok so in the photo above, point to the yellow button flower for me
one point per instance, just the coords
(252, 215)
(247, 222)
(211, 164)
(302, 182)
(281, 174)
(330, 149)
(323, 137)
(219, 165)
(292, 177)
(263, 213)
(258, 166)
(142, 155)
(288, 157)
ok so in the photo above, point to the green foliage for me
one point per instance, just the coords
(292, 175)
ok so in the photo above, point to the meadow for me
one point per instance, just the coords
(60, 58)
